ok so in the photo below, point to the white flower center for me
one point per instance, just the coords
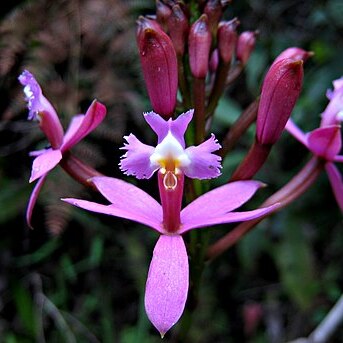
(339, 116)
(29, 95)
(170, 155)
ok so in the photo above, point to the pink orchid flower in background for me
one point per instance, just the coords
(325, 141)
(168, 277)
(41, 109)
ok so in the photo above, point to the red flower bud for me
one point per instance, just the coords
(280, 90)
(214, 11)
(178, 29)
(295, 54)
(199, 45)
(162, 13)
(227, 39)
(245, 46)
(159, 64)
(214, 61)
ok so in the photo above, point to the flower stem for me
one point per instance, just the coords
(218, 87)
(199, 108)
(234, 73)
(291, 191)
(239, 127)
(252, 162)
(78, 170)
(183, 84)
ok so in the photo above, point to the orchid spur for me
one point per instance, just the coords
(325, 142)
(168, 277)
(41, 109)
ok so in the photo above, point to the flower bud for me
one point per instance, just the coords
(159, 64)
(214, 61)
(178, 29)
(214, 11)
(280, 90)
(199, 45)
(295, 54)
(245, 46)
(162, 13)
(227, 39)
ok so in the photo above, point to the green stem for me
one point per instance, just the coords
(218, 87)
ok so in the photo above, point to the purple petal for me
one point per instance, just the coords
(333, 112)
(167, 283)
(204, 164)
(231, 217)
(218, 202)
(33, 199)
(130, 202)
(177, 127)
(112, 210)
(41, 109)
(74, 126)
(43, 163)
(136, 160)
(158, 124)
(296, 132)
(336, 181)
(338, 158)
(94, 116)
(325, 142)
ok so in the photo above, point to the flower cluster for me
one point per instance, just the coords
(325, 142)
(198, 54)
(40, 109)
(167, 283)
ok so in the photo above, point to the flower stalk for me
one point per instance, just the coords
(298, 185)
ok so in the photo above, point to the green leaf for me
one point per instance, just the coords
(97, 250)
(25, 307)
(15, 197)
(40, 254)
(294, 258)
(226, 114)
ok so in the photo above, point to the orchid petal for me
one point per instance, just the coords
(221, 200)
(94, 116)
(338, 158)
(177, 127)
(74, 126)
(136, 160)
(336, 183)
(325, 141)
(41, 109)
(44, 163)
(333, 112)
(127, 197)
(33, 199)
(230, 217)
(37, 152)
(111, 210)
(204, 164)
(294, 130)
(167, 283)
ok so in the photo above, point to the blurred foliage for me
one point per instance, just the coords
(80, 277)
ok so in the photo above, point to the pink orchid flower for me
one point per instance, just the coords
(168, 278)
(41, 109)
(325, 141)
